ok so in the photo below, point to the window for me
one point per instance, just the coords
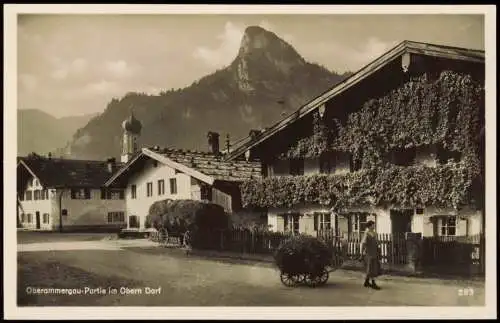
(206, 193)
(46, 218)
(112, 194)
(46, 193)
(291, 223)
(133, 191)
(133, 221)
(419, 211)
(29, 195)
(355, 163)
(23, 217)
(148, 222)
(116, 217)
(35, 182)
(327, 164)
(173, 186)
(448, 226)
(80, 194)
(30, 217)
(149, 188)
(358, 222)
(322, 221)
(296, 167)
(116, 194)
(404, 157)
(64, 212)
(161, 187)
(36, 195)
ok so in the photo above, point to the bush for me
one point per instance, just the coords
(181, 215)
(300, 254)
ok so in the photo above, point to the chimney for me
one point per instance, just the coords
(254, 133)
(111, 164)
(228, 143)
(213, 142)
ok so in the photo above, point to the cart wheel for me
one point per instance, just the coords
(300, 278)
(312, 280)
(288, 279)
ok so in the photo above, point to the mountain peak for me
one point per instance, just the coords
(257, 40)
(263, 55)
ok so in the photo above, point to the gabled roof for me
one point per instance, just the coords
(426, 49)
(204, 166)
(57, 172)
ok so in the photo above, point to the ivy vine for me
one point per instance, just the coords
(444, 111)
(447, 185)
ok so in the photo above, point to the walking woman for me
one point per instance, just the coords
(369, 249)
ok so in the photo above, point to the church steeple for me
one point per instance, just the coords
(131, 131)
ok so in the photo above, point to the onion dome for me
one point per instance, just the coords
(132, 125)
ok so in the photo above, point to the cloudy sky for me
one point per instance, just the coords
(75, 64)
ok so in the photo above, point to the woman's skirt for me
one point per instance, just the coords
(372, 266)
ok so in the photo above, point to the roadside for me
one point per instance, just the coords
(51, 241)
(268, 261)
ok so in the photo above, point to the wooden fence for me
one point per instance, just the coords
(239, 240)
(456, 253)
(437, 254)
(392, 248)
(463, 254)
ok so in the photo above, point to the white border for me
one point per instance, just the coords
(337, 313)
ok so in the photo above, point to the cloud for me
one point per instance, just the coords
(341, 57)
(102, 87)
(270, 27)
(64, 70)
(229, 43)
(119, 68)
(28, 81)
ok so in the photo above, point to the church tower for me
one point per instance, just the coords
(131, 131)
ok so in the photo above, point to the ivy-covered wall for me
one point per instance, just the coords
(444, 111)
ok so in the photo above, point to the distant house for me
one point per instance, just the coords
(155, 174)
(68, 195)
(400, 142)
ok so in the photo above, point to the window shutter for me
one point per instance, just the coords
(87, 194)
(461, 227)
(103, 193)
(316, 222)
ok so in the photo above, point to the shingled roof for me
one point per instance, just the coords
(58, 172)
(214, 165)
(205, 166)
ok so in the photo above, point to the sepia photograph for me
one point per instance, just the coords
(283, 162)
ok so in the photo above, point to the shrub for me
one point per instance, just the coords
(181, 215)
(301, 253)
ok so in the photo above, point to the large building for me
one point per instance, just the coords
(400, 142)
(67, 195)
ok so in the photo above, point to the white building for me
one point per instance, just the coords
(155, 174)
(67, 195)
